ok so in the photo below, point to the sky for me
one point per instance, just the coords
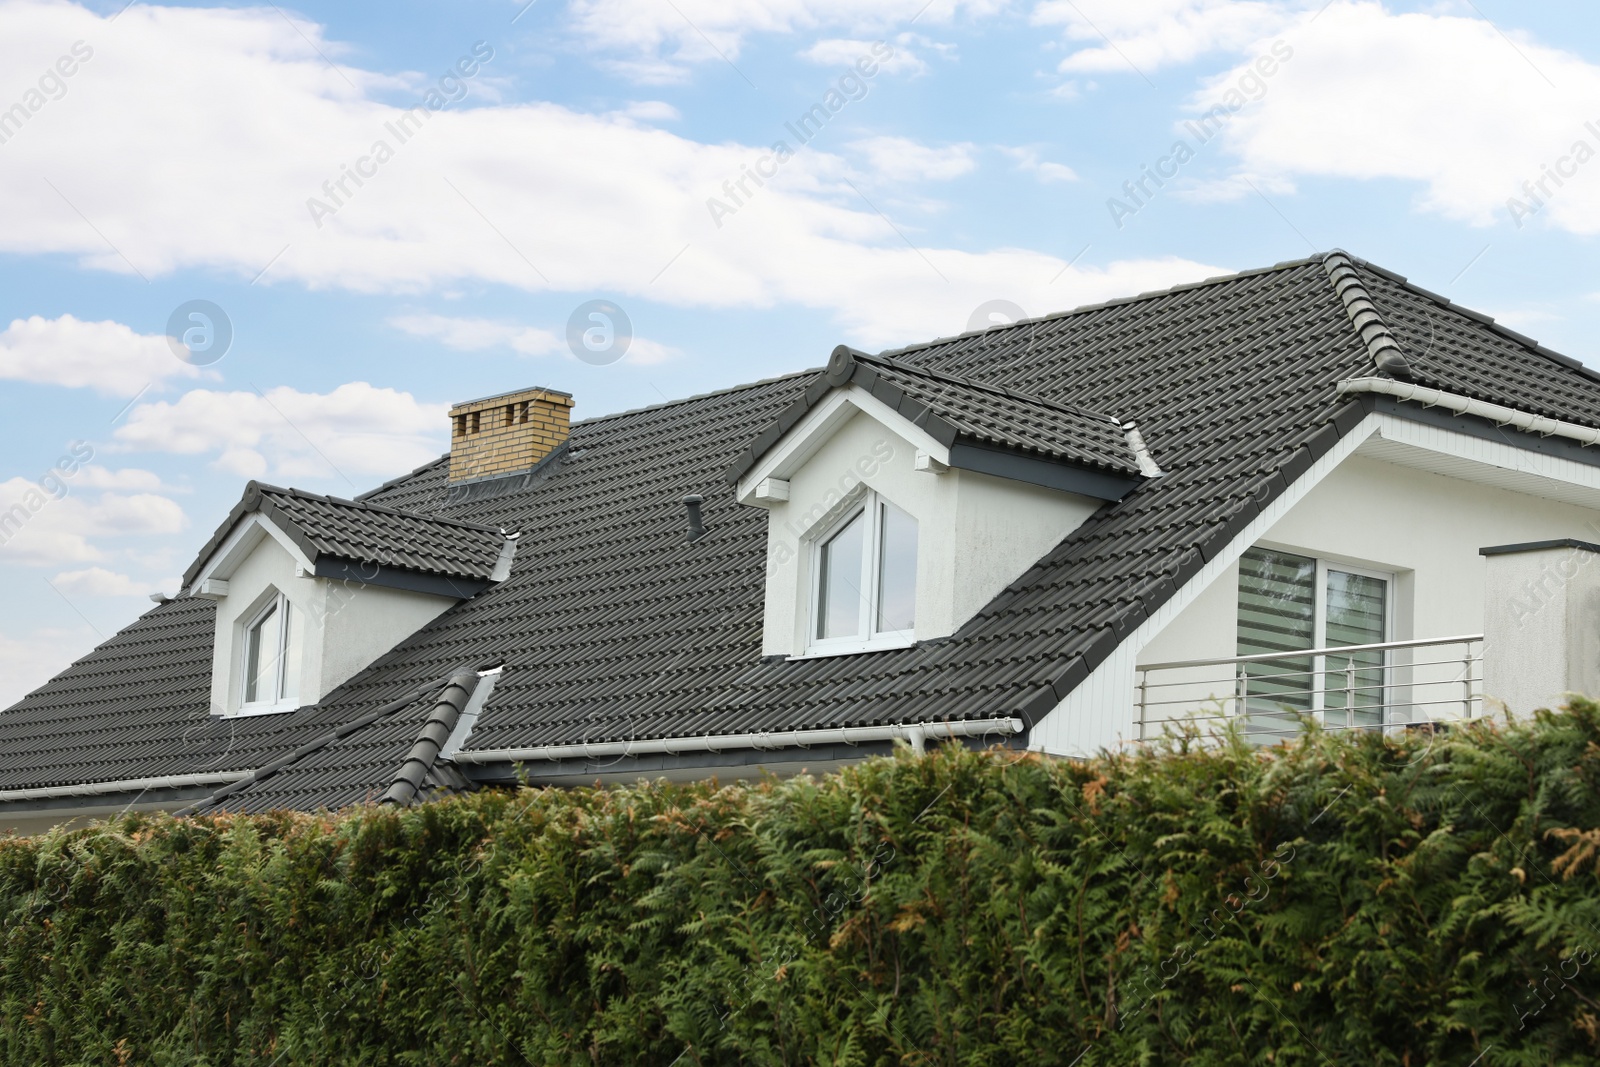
(277, 242)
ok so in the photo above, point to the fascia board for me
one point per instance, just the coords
(233, 551)
(813, 430)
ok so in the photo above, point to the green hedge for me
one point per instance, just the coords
(1367, 901)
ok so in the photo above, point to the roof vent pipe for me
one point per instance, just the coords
(1141, 453)
(697, 526)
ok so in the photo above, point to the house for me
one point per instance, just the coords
(1313, 489)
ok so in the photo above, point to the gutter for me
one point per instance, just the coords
(1465, 405)
(914, 733)
(126, 785)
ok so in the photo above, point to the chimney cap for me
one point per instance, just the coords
(553, 395)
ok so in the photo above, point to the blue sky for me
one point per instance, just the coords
(971, 152)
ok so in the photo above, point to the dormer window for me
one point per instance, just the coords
(267, 680)
(866, 580)
(312, 589)
(984, 481)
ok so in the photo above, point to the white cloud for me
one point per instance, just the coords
(643, 352)
(665, 37)
(1440, 100)
(844, 52)
(1235, 186)
(28, 662)
(355, 429)
(1028, 161)
(476, 335)
(648, 111)
(95, 476)
(463, 200)
(41, 526)
(1151, 34)
(107, 357)
(900, 159)
(97, 581)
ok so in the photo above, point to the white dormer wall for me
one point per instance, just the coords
(975, 533)
(339, 627)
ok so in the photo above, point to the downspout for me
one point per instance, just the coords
(1466, 405)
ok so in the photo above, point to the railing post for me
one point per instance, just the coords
(1144, 677)
(1466, 681)
(1349, 692)
(1241, 691)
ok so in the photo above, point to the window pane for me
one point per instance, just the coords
(897, 570)
(1277, 613)
(839, 581)
(1357, 614)
(258, 664)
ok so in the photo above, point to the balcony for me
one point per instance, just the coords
(1393, 685)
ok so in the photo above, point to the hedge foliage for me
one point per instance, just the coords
(1349, 901)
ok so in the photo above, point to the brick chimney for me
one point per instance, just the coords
(507, 433)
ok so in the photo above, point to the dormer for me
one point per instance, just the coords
(900, 500)
(312, 589)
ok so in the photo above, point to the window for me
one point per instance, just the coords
(1289, 603)
(865, 593)
(266, 679)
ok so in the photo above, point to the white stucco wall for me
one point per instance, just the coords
(1425, 529)
(975, 533)
(268, 566)
(1543, 609)
(338, 627)
(1420, 506)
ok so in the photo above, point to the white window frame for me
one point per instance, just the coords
(1320, 632)
(282, 697)
(870, 507)
(1319, 626)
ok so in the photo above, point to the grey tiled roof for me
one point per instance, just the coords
(954, 408)
(135, 707)
(138, 707)
(362, 532)
(612, 627)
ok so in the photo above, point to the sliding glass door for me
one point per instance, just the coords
(1289, 603)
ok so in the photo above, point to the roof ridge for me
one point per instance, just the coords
(991, 387)
(1387, 355)
(381, 509)
(1151, 294)
(698, 396)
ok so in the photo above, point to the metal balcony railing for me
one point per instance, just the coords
(1395, 684)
